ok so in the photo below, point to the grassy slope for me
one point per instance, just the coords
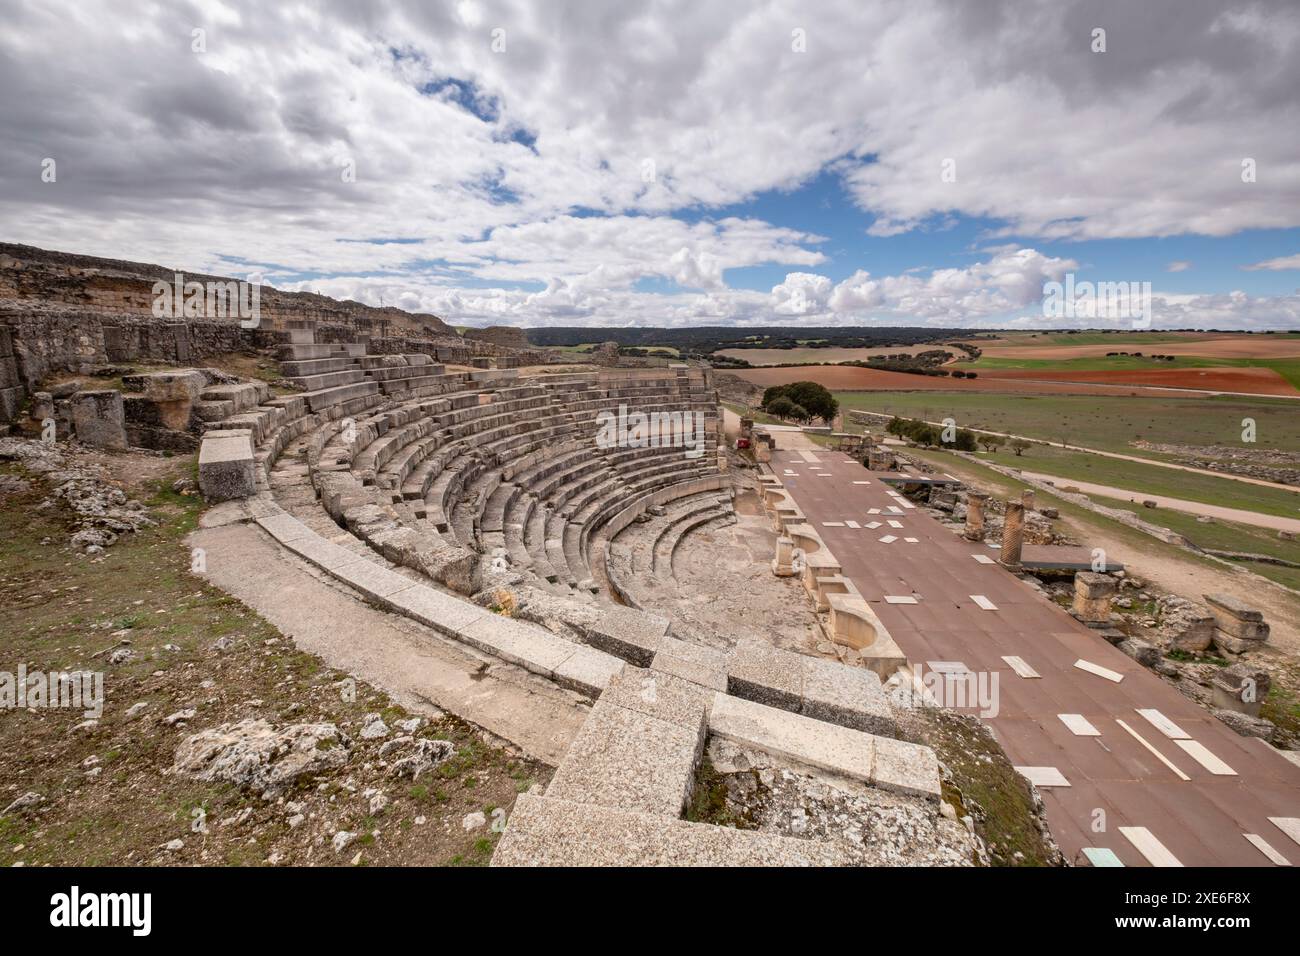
(58, 610)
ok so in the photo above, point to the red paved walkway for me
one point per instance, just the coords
(1201, 821)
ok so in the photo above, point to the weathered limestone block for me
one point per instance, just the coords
(783, 563)
(42, 406)
(1245, 724)
(1241, 627)
(1144, 652)
(98, 419)
(1191, 629)
(226, 465)
(1241, 687)
(1092, 596)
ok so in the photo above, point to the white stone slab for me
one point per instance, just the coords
(1018, 665)
(1288, 825)
(899, 599)
(888, 539)
(1163, 724)
(1097, 669)
(1201, 754)
(948, 667)
(1262, 845)
(983, 559)
(1144, 841)
(983, 602)
(1158, 755)
(1043, 776)
(1079, 725)
(1100, 856)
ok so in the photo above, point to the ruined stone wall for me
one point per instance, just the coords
(112, 286)
(506, 335)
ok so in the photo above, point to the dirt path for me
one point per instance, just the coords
(414, 665)
(1274, 522)
(1184, 576)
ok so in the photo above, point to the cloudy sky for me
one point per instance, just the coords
(673, 162)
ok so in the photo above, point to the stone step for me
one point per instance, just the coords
(316, 383)
(545, 831)
(316, 366)
(882, 762)
(329, 397)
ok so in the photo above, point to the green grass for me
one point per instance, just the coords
(1108, 423)
(1151, 480)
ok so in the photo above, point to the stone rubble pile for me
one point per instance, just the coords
(104, 511)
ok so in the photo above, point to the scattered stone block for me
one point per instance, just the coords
(226, 465)
(1145, 653)
(1092, 596)
(1245, 724)
(98, 419)
(1240, 687)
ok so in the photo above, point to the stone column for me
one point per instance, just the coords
(1013, 530)
(1027, 499)
(1092, 596)
(975, 502)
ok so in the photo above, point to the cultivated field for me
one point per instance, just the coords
(850, 378)
(1106, 423)
(788, 356)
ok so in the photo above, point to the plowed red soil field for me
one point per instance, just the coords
(852, 379)
(1258, 381)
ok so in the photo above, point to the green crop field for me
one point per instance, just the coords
(1109, 423)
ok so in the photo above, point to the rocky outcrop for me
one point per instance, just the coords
(256, 756)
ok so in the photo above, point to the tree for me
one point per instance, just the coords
(1019, 446)
(963, 440)
(780, 406)
(817, 399)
